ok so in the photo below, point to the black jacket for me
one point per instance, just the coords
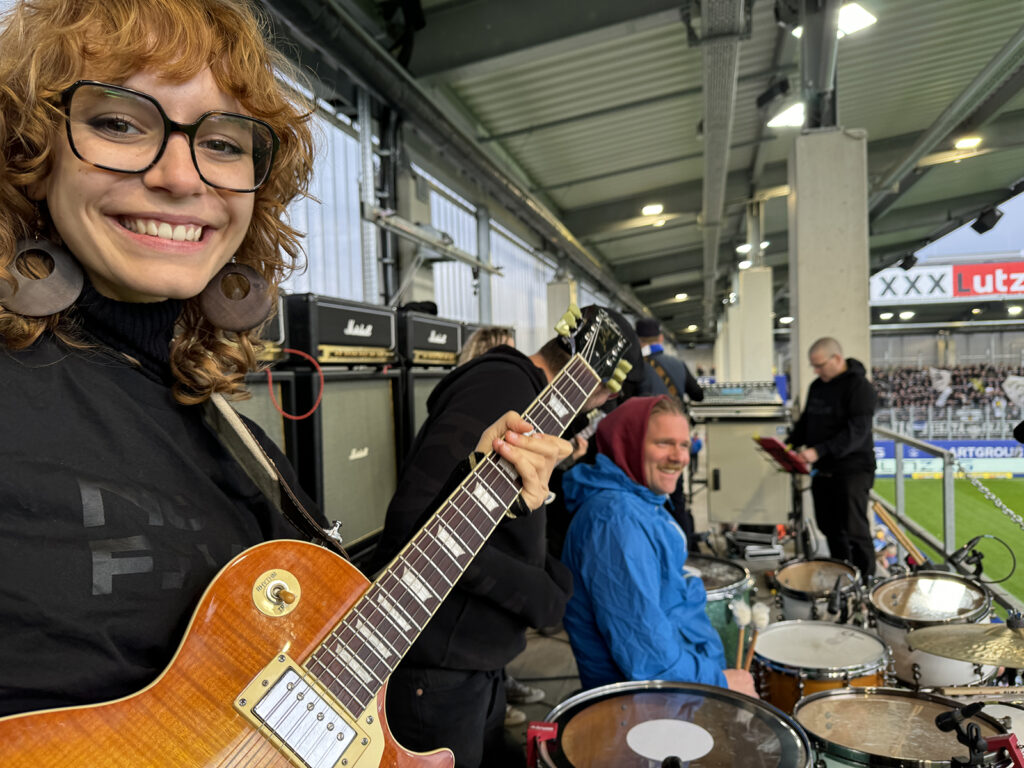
(836, 422)
(512, 583)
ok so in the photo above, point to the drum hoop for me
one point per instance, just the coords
(904, 622)
(727, 591)
(634, 686)
(799, 594)
(826, 673)
(834, 749)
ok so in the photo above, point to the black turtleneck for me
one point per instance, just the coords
(118, 505)
(142, 331)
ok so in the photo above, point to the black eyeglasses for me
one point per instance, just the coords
(118, 129)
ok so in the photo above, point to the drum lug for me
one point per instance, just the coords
(820, 763)
(916, 671)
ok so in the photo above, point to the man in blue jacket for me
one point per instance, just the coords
(635, 614)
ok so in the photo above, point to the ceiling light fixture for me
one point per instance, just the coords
(659, 223)
(986, 220)
(885, 316)
(691, 328)
(682, 296)
(1014, 310)
(790, 117)
(907, 314)
(852, 18)
(743, 249)
(652, 209)
(967, 142)
(786, 319)
(975, 310)
(745, 264)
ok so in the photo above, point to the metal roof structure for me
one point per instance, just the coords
(593, 110)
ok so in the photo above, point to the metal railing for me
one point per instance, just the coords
(947, 545)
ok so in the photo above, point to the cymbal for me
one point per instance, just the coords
(995, 644)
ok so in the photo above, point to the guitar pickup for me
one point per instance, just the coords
(292, 710)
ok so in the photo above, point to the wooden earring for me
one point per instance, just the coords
(42, 296)
(231, 312)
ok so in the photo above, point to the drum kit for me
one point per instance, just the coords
(832, 693)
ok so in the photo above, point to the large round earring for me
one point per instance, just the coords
(228, 306)
(42, 296)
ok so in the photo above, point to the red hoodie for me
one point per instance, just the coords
(621, 435)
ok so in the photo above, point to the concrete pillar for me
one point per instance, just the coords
(828, 247)
(413, 205)
(561, 293)
(755, 324)
(734, 350)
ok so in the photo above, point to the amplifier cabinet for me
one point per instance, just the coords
(341, 332)
(419, 385)
(426, 340)
(261, 409)
(347, 449)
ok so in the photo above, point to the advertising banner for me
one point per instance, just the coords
(948, 282)
(982, 457)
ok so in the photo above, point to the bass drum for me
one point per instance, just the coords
(639, 725)
(886, 727)
(806, 587)
(928, 599)
(724, 581)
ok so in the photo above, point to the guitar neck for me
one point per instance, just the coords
(362, 651)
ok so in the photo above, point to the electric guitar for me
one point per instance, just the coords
(286, 659)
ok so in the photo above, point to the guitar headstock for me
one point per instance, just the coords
(596, 337)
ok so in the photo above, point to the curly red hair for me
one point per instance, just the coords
(46, 45)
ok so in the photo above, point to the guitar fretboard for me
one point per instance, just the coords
(362, 651)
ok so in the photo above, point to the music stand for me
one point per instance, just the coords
(792, 462)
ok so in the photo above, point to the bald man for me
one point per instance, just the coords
(834, 434)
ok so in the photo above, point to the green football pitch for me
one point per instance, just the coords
(975, 515)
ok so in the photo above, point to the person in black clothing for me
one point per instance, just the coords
(119, 501)
(834, 434)
(450, 686)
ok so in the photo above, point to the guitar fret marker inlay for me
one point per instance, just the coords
(389, 609)
(415, 584)
(372, 640)
(487, 501)
(556, 405)
(449, 543)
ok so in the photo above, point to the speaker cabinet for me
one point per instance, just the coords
(421, 384)
(261, 409)
(347, 449)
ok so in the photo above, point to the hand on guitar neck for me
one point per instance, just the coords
(533, 454)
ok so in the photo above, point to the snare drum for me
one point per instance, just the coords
(638, 725)
(807, 585)
(1010, 716)
(797, 658)
(925, 599)
(885, 727)
(723, 581)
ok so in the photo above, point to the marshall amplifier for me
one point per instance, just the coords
(347, 449)
(274, 335)
(428, 340)
(260, 408)
(341, 332)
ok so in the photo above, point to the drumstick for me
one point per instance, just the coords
(901, 537)
(760, 613)
(741, 613)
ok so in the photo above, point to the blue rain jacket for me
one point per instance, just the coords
(634, 614)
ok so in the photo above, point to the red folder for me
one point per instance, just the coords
(788, 459)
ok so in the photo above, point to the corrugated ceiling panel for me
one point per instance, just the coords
(625, 185)
(977, 174)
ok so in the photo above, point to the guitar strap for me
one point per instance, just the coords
(239, 441)
(663, 375)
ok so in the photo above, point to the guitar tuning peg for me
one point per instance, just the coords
(625, 366)
(613, 385)
(575, 311)
(570, 319)
(619, 375)
(562, 328)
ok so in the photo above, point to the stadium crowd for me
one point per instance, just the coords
(966, 386)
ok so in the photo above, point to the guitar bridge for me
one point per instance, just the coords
(287, 706)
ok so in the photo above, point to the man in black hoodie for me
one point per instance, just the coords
(835, 432)
(449, 690)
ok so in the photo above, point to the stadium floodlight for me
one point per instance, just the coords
(907, 314)
(885, 316)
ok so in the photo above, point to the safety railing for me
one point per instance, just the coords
(945, 546)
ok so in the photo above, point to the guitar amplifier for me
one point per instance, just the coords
(426, 340)
(341, 332)
(260, 408)
(274, 335)
(347, 449)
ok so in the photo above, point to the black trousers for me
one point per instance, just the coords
(840, 510)
(462, 710)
